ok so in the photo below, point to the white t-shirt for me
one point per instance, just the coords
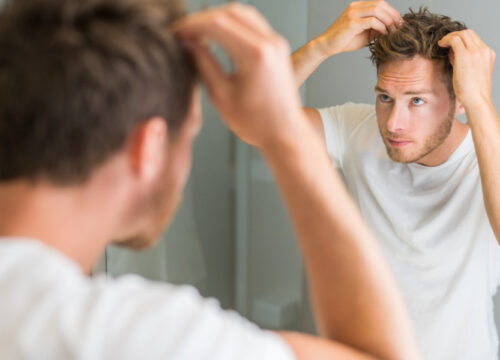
(432, 226)
(50, 310)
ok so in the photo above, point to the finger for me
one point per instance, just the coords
(374, 23)
(240, 42)
(475, 44)
(468, 38)
(396, 16)
(380, 14)
(473, 40)
(249, 17)
(210, 71)
(454, 42)
(384, 12)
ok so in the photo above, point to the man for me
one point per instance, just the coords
(99, 108)
(414, 169)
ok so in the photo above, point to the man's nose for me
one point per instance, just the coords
(398, 120)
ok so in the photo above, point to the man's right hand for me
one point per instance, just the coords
(359, 24)
(258, 100)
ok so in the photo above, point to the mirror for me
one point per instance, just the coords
(232, 238)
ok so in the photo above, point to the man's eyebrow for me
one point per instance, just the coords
(414, 92)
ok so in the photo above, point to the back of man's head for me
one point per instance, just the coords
(418, 35)
(77, 76)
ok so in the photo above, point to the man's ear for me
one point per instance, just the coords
(459, 108)
(148, 148)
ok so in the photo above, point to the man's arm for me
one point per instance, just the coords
(355, 298)
(315, 120)
(355, 28)
(353, 293)
(473, 63)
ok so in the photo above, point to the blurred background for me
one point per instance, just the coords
(232, 238)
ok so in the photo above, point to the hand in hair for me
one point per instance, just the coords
(473, 63)
(359, 24)
(258, 101)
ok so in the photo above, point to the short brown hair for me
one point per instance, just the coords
(76, 76)
(419, 35)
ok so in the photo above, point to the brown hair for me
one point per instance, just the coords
(77, 76)
(419, 35)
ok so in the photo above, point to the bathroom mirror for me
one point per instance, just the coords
(232, 238)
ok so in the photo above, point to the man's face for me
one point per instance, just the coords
(156, 207)
(414, 109)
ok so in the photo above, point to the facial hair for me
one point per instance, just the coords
(431, 143)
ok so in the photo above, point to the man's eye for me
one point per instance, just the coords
(384, 98)
(417, 101)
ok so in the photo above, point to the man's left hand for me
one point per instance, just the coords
(473, 63)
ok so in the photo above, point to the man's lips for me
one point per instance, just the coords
(398, 143)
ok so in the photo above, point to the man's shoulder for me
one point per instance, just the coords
(349, 112)
(349, 118)
(358, 107)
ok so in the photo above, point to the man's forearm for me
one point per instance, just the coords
(354, 295)
(307, 59)
(485, 126)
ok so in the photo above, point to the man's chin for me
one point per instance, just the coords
(401, 157)
(137, 243)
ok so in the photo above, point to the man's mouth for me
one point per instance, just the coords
(398, 143)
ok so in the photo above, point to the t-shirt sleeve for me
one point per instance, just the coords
(132, 318)
(339, 123)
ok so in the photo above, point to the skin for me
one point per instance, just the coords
(415, 113)
(133, 195)
(157, 206)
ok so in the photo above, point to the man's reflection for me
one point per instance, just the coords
(414, 169)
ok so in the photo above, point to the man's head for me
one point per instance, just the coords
(84, 81)
(416, 105)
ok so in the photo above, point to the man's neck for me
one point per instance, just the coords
(442, 153)
(60, 217)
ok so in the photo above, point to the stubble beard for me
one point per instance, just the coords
(432, 142)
